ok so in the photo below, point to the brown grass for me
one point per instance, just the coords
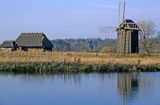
(83, 57)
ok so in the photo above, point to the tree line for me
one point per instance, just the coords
(87, 45)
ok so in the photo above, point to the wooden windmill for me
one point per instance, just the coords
(127, 33)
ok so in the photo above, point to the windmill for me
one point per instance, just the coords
(127, 32)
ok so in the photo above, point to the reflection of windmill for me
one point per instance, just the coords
(127, 32)
(128, 86)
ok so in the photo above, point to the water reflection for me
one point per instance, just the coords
(128, 86)
(80, 88)
(65, 78)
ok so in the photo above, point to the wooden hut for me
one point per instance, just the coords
(8, 46)
(127, 42)
(33, 41)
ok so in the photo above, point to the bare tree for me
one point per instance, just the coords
(157, 43)
(147, 31)
(158, 35)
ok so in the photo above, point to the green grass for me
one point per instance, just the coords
(44, 67)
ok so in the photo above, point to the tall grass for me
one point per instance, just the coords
(76, 57)
(40, 62)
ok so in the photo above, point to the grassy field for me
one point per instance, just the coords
(79, 57)
(49, 62)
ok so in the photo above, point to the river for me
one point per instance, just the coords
(80, 89)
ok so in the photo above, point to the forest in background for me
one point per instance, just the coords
(100, 45)
(86, 45)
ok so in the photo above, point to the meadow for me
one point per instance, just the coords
(48, 62)
(80, 57)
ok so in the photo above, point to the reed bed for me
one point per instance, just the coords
(54, 67)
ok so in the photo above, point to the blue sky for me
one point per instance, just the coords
(70, 18)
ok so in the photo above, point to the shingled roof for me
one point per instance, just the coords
(33, 40)
(7, 44)
(129, 24)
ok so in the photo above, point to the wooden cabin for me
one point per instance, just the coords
(127, 35)
(8, 46)
(33, 41)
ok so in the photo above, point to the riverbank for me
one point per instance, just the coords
(38, 62)
(53, 67)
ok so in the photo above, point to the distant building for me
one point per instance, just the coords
(27, 41)
(127, 42)
(8, 45)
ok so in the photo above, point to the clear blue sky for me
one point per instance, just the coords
(69, 18)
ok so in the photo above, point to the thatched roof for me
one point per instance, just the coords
(7, 44)
(33, 40)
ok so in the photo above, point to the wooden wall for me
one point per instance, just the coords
(127, 42)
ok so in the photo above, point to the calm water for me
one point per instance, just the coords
(80, 89)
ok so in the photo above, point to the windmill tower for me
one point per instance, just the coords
(127, 33)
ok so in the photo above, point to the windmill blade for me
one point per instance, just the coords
(107, 30)
(122, 11)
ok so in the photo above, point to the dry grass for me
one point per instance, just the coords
(83, 57)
